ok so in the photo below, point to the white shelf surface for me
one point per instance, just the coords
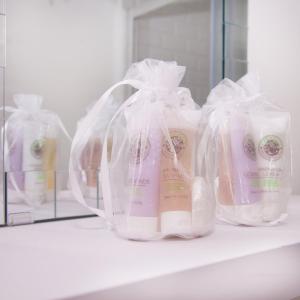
(66, 206)
(77, 259)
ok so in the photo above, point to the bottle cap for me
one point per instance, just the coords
(176, 222)
(272, 210)
(246, 214)
(141, 227)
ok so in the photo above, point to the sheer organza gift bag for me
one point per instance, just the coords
(32, 138)
(154, 184)
(253, 156)
(91, 153)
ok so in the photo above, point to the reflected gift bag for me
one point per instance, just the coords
(31, 138)
(91, 153)
(253, 155)
(155, 184)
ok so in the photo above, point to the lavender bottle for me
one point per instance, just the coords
(245, 172)
(15, 158)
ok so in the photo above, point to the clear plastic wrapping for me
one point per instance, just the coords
(31, 147)
(91, 154)
(252, 171)
(154, 185)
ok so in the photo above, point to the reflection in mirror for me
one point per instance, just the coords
(3, 207)
(235, 38)
(69, 52)
(178, 31)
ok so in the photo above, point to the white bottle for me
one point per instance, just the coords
(33, 150)
(270, 131)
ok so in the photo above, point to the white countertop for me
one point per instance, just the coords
(66, 259)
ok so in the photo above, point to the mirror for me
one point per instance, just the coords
(69, 52)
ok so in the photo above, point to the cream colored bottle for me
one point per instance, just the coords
(176, 180)
(33, 153)
(91, 158)
(225, 185)
(49, 161)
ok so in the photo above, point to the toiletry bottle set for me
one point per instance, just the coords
(170, 159)
(253, 157)
(165, 197)
(154, 166)
(31, 137)
(151, 186)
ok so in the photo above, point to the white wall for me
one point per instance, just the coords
(180, 32)
(69, 51)
(274, 51)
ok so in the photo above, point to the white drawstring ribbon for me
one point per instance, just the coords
(16, 114)
(82, 135)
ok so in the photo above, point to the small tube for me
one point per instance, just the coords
(15, 157)
(33, 147)
(143, 181)
(244, 160)
(49, 160)
(91, 158)
(176, 180)
(247, 207)
(270, 132)
(225, 192)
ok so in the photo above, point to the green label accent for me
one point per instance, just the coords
(265, 183)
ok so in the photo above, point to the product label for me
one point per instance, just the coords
(270, 147)
(37, 148)
(139, 149)
(249, 147)
(143, 173)
(265, 179)
(179, 142)
(176, 180)
(265, 184)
